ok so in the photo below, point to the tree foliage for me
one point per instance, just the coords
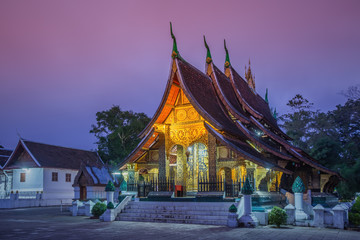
(117, 133)
(333, 137)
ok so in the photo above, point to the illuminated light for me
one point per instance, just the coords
(25, 169)
(116, 173)
(267, 169)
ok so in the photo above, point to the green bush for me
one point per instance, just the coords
(110, 205)
(98, 209)
(277, 216)
(354, 214)
(110, 187)
(232, 209)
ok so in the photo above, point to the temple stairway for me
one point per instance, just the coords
(210, 213)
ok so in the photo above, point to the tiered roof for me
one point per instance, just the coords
(231, 110)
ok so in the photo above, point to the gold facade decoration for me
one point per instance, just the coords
(188, 134)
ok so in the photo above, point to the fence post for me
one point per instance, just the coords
(318, 215)
(338, 220)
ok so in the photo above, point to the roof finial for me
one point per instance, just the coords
(208, 54)
(175, 51)
(227, 59)
(275, 114)
(266, 96)
(250, 77)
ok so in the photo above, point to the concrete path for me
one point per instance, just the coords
(50, 223)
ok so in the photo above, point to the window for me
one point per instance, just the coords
(22, 177)
(68, 177)
(54, 176)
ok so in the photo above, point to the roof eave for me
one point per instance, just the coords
(162, 103)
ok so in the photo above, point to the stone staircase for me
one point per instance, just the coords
(209, 213)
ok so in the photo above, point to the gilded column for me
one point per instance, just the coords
(162, 158)
(212, 156)
(180, 166)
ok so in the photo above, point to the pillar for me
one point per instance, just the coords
(212, 156)
(318, 216)
(290, 212)
(180, 166)
(131, 173)
(247, 204)
(299, 203)
(162, 159)
(338, 220)
(110, 196)
(247, 219)
(75, 206)
(88, 206)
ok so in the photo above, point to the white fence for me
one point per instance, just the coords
(16, 200)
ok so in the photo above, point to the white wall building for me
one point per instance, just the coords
(37, 167)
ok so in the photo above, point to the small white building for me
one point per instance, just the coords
(37, 167)
(90, 182)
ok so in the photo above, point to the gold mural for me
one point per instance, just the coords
(188, 134)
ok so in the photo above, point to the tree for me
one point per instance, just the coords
(297, 122)
(353, 92)
(117, 133)
(333, 138)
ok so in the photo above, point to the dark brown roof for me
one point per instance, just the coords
(4, 155)
(201, 94)
(52, 156)
(226, 91)
(246, 151)
(254, 100)
(227, 95)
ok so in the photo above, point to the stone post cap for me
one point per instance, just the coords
(298, 186)
(289, 207)
(338, 208)
(89, 202)
(319, 207)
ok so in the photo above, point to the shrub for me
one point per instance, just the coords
(233, 209)
(110, 205)
(354, 214)
(98, 209)
(277, 216)
(110, 187)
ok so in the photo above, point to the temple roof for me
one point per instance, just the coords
(226, 92)
(199, 90)
(245, 150)
(229, 107)
(253, 102)
(51, 156)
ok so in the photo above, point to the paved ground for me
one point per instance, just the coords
(50, 223)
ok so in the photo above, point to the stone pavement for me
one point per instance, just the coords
(50, 223)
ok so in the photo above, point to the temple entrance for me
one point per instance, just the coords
(197, 165)
(225, 174)
(82, 193)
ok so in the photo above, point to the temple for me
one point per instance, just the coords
(213, 127)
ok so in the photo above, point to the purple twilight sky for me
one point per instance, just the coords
(62, 61)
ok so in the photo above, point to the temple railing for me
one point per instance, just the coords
(152, 185)
(230, 187)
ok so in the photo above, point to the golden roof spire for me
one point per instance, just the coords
(250, 77)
